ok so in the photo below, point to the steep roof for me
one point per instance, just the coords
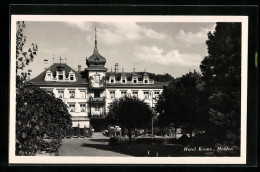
(119, 74)
(96, 58)
(39, 80)
(129, 75)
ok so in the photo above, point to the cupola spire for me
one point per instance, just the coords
(96, 59)
(95, 39)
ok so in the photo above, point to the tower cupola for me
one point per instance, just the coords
(96, 59)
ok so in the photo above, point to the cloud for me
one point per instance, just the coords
(156, 55)
(117, 32)
(80, 25)
(190, 38)
(152, 34)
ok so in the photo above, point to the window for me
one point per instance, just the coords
(72, 93)
(72, 107)
(146, 81)
(123, 93)
(112, 81)
(135, 81)
(97, 108)
(96, 94)
(123, 81)
(135, 94)
(156, 94)
(82, 108)
(49, 76)
(71, 77)
(96, 78)
(146, 94)
(112, 94)
(60, 93)
(82, 94)
(60, 76)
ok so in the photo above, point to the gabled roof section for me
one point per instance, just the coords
(39, 80)
(119, 74)
(156, 85)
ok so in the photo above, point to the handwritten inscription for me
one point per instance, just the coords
(207, 149)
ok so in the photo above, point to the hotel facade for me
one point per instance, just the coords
(90, 98)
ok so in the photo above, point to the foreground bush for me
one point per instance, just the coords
(161, 141)
(39, 114)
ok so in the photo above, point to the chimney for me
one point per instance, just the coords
(45, 62)
(116, 68)
(79, 68)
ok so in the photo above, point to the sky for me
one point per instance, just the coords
(157, 47)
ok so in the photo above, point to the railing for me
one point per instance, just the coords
(102, 115)
(97, 99)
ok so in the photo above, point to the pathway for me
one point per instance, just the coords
(95, 146)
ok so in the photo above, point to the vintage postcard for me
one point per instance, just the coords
(96, 89)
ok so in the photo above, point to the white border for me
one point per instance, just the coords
(128, 160)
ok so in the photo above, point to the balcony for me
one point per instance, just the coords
(97, 116)
(97, 99)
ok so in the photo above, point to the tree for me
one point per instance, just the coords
(221, 72)
(129, 113)
(180, 103)
(23, 57)
(38, 112)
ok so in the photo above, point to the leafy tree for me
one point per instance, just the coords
(38, 113)
(180, 104)
(130, 113)
(23, 57)
(221, 72)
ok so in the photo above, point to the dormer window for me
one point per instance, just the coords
(112, 79)
(60, 76)
(71, 77)
(145, 78)
(48, 76)
(135, 80)
(123, 79)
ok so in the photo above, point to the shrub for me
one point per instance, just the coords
(39, 113)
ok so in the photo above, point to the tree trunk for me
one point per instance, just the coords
(130, 135)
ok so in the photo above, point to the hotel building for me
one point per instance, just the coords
(90, 98)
